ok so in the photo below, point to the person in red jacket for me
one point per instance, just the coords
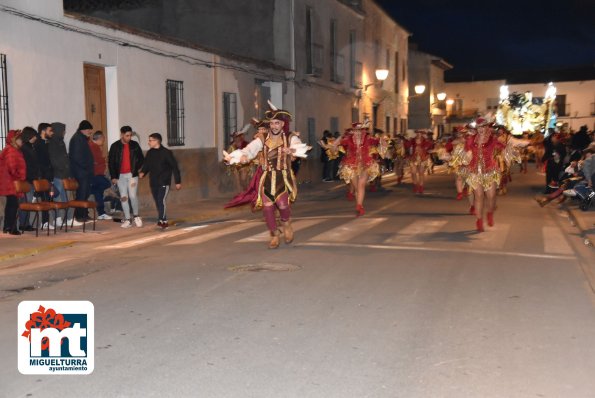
(12, 168)
(417, 152)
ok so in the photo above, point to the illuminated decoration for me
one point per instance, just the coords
(521, 113)
(441, 96)
(504, 93)
(381, 74)
(419, 89)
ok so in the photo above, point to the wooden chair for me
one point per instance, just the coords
(71, 185)
(42, 186)
(24, 187)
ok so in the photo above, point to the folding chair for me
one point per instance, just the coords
(24, 187)
(41, 186)
(71, 185)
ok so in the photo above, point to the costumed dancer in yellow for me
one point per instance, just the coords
(277, 187)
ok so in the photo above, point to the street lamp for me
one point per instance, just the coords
(441, 96)
(419, 89)
(450, 101)
(381, 75)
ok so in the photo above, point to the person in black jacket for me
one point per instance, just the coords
(81, 165)
(160, 163)
(125, 159)
(29, 137)
(45, 133)
(60, 167)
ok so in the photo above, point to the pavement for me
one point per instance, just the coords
(15, 247)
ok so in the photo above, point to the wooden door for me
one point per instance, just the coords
(95, 106)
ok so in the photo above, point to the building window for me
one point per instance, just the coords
(312, 137)
(387, 124)
(337, 61)
(377, 53)
(492, 104)
(397, 81)
(230, 116)
(353, 78)
(334, 124)
(562, 108)
(175, 112)
(403, 126)
(3, 101)
(395, 124)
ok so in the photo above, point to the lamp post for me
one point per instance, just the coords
(381, 75)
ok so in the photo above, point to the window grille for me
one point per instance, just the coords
(230, 116)
(175, 112)
(3, 101)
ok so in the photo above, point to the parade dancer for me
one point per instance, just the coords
(399, 157)
(455, 148)
(358, 166)
(483, 172)
(277, 186)
(418, 155)
(241, 172)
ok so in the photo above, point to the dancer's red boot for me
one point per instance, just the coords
(491, 219)
(472, 210)
(359, 210)
(479, 225)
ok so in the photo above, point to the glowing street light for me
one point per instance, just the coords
(419, 89)
(441, 96)
(450, 101)
(381, 74)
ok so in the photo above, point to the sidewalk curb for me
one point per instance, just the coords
(36, 250)
(576, 221)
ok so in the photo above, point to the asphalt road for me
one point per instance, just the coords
(407, 301)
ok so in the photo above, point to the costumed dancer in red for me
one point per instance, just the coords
(483, 172)
(358, 166)
(418, 155)
(277, 186)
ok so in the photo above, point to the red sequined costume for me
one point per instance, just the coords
(418, 153)
(482, 169)
(359, 156)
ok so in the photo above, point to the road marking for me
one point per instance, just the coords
(415, 232)
(554, 241)
(493, 238)
(437, 249)
(151, 238)
(195, 240)
(297, 225)
(348, 230)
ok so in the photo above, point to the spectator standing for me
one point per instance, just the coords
(41, 145)
(160, 163)
(125, 160)
(81, 165)
(99, 182)
(29, 137)
(60, 163)
(12, 168)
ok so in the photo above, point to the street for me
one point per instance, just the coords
(406, 301)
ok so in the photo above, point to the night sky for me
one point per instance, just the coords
(498, 38)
